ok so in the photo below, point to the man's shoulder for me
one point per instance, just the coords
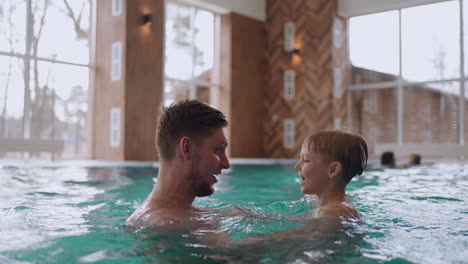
(153, 214)
(170, 218)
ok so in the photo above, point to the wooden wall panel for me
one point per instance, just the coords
(242, 77)
(144, 78)
(253, 61)
(139, 92)
(108, 94)
(314, 107)
(225, 73)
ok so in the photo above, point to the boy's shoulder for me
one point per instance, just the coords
(339, 211)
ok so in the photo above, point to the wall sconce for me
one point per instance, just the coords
(294, 52)
(147, 20)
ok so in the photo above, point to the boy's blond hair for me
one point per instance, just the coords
(347, 148)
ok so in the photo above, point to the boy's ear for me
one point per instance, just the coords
(185, 147)
(334, 169)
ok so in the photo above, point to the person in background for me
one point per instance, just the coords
(387, 159)
(414, 159)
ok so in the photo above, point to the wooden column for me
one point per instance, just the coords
(341, 72)
(314, 106)
(138, 93)
(243, 69)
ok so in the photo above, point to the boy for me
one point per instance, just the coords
(328, 161)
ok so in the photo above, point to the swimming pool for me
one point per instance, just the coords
(75, 214)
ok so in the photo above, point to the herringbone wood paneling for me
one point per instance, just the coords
(314, 107)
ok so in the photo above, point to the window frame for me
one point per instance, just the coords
(400, 83)
(192, 82)
(27, 58)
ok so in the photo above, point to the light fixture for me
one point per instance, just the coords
(147, 19)
(294, 52)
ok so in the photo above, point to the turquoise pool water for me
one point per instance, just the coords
(75, 214)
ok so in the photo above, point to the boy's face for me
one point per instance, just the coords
(313, 171)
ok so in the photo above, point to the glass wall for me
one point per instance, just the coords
(190, 53)
(374, 115)
(374, 42)
(431, 113)
(44, 76)
(416, 52)
(431, 47)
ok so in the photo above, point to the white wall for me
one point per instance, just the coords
(350, 8)
(251, 8)
(346, 8)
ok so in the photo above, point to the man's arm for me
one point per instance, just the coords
(318, 228)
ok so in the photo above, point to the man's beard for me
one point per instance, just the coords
(200, 184)
(203, 189)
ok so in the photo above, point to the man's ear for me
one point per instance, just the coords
(185, 147)
(334, 169)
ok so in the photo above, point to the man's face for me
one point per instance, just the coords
(209, 159)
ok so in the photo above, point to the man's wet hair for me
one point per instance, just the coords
(191, 118)
(387, 158)
(347, 148)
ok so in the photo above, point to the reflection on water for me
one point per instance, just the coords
(40, 204)
(419, 213)
(260, 243)
(76, 215)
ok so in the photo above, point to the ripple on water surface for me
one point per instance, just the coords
(76, 215)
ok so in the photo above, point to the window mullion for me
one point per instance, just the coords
(193, 92)
(26, 131)
(461, 116)
(400, 102)
(215, 90)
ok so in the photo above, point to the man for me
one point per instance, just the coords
(192, 152)
(387, 159)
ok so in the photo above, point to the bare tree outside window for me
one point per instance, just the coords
(12, 42)
(54, 66)
(189, 37)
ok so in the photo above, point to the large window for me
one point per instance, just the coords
(412, 60)
(190, 54)
(374, 42)
(44, 76)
